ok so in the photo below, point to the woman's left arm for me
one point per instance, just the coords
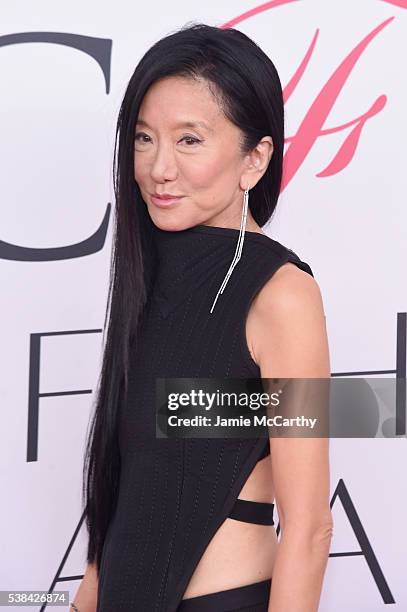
(291, 342)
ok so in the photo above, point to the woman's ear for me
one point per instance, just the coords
(257, 161)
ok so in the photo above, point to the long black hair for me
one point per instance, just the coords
(246, 84)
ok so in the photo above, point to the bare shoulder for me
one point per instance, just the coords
(289, 292)
(285, 327)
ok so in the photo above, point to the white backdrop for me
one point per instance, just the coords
(64, 67)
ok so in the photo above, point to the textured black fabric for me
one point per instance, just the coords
(265, 453)
(174, 494)
(249, 598)
(252, 512)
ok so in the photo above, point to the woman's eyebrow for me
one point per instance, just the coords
(191, 124)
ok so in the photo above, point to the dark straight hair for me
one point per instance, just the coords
(247, 87)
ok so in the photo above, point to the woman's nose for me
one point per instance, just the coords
(164, 166)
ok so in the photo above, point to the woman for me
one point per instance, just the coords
(186, 524)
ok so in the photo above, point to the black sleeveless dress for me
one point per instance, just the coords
(174, 494)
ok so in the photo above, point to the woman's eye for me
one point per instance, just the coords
(191, 140)
(137, 136)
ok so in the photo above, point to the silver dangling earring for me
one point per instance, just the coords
(238, 247)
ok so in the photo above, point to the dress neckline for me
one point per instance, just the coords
(190, 259)
(216, 230)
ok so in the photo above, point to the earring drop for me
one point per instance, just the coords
(239, 247)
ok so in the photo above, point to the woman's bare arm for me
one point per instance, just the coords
(86, 595)
(290, 341)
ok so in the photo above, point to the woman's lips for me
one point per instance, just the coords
(164, 202)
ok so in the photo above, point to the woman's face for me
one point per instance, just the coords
(200, 162)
